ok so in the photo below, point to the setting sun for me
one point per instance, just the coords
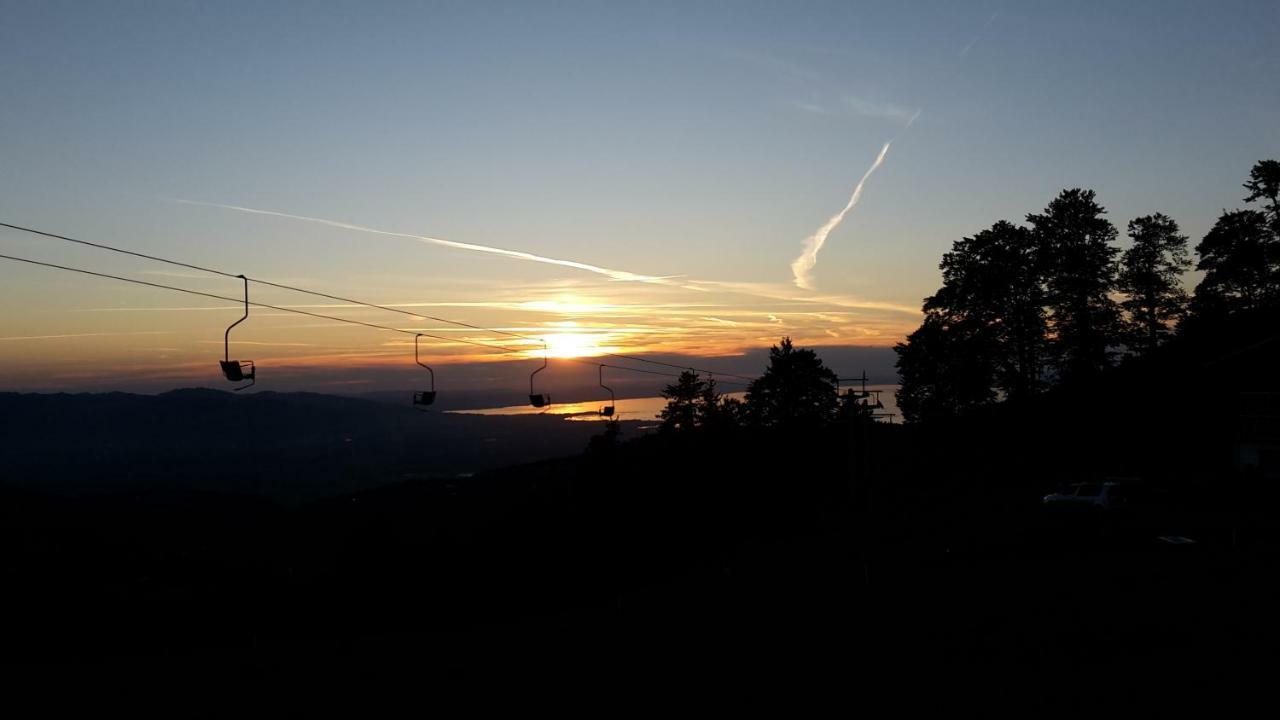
(573, 345)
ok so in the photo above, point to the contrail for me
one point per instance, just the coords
(677, 281)
(802, 267)
(621, 275)
(15, 338)
(974, 41)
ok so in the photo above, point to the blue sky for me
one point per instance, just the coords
(700, 140)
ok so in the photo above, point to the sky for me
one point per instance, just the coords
(640, 178)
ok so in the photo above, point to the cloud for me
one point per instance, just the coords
(775, 291)
(622, 275)
(692, 284)
(175, 274)
(16, 338)
(974, 41)
(263, 344)
(802, 266)
(722, 321)
(873, 109)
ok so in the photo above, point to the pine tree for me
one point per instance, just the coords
(683, 399)
(1151, 278)
(1074, 242)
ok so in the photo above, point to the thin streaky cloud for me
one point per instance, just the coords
(15, 338)
(622, 275)
(722, 321)
(690, 284)
(176, 274)
(871, 108)
(773, 291)
(262, 344)
(147, 309)
(802, 266)
(974, 41)
(685, 284)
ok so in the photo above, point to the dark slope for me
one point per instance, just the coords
(756, 555)
(290, 446)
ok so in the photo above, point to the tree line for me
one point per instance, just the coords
(1055, 303)
(1027, 308)
(795, 390)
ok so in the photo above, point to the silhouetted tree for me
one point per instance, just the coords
(1264, 184)
(683, 399)
(795, 389)
(1078, 261)
(719, 412)
(1240, 257)
(1151, 278)
(944, 370)
(991, 286)
(693, 402)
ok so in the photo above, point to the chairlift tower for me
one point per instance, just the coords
(862, 404)
(864, 401)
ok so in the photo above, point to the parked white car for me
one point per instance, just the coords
(1103, 495)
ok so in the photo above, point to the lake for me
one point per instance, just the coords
(640, 409)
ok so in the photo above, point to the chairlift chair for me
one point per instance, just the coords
(539, 400)
(422, 398)
(607, 410)
(238, 370)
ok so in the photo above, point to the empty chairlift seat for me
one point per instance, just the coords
(423, 398)
(238, 370)
(607, 410)
(536, 399)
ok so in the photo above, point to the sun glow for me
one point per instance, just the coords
(573, 345)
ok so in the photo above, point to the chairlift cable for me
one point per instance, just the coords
(320, 316)
(308, 313)
(253, 303)
(328, 296)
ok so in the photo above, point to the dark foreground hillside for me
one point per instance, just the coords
(287, 447)
(842, 558)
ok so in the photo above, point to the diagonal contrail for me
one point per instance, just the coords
(974, 41)
(621, 275)
(802, 266)
(676, 281)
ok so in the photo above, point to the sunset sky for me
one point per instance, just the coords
(635, 178)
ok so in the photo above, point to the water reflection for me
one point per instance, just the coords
(645, 408)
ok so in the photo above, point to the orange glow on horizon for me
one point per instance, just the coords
(98, 341)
